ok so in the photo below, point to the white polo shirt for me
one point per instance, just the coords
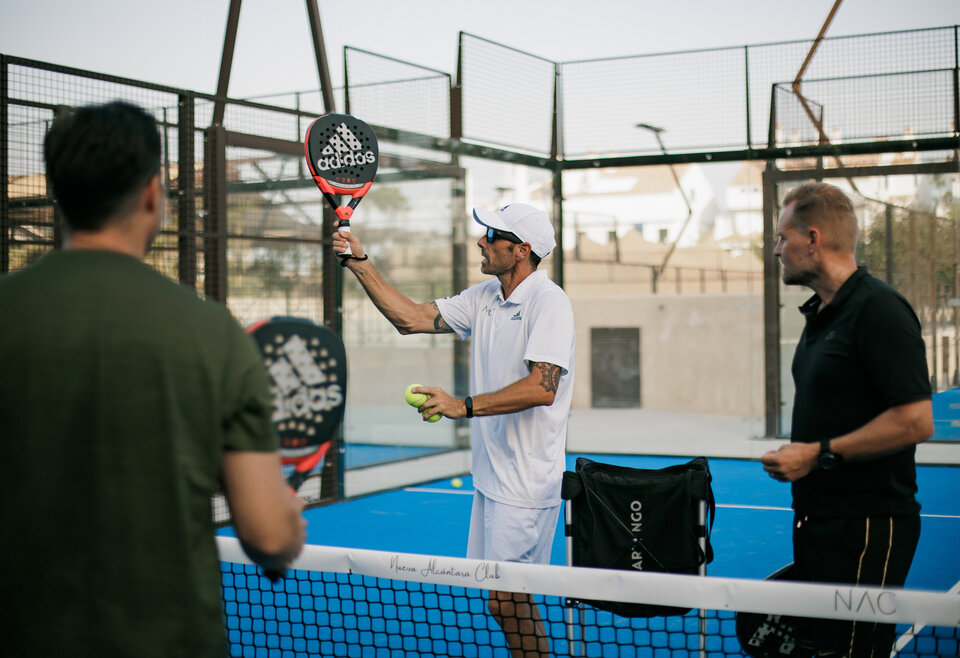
(518, 458)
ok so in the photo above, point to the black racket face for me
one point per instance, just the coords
(307, 364)
(342, 152)
(774, 636)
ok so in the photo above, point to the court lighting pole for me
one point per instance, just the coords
(656, 133)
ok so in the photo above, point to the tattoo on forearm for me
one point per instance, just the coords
(439, 323)
(549, 375)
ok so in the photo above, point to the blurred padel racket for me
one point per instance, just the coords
(343, 155)
(775, 636)
(307, 364)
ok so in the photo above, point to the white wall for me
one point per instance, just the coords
(699, 354)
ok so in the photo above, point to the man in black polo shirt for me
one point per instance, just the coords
(862, 404)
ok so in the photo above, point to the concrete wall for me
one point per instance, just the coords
(699, 354)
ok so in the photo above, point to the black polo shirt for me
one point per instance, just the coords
(859, 356)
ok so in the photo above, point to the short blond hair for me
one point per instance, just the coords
(827, 208)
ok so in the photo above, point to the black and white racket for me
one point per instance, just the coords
(307, 364)
(343, 156)
(775, 636)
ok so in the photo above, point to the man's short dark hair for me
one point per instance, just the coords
(829, 209)
(98, 157)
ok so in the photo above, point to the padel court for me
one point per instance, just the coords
(751, 534)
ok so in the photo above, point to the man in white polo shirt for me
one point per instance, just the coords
(521, 376)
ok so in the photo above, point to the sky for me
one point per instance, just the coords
(179, 42)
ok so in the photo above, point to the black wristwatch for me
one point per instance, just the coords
(828, 458)
(468, 401)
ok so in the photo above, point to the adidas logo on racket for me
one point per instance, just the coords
(343, 149)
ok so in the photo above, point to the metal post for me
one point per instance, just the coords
(332, 281)
(956, 285)
(574, 639)
(58, 219)
(746, 86)
(186, 192)
(956, 79)
(320, 52)
(772, 127)
(932, 260)
(215, 174)
(803, 67)
(771, 306)
(913, 298)
(226, 61)
(332, 292)
(701, 613)
(945, 360)
(215, 217)
(559, 263)
(5, 223)
(888, 222)
(461, 350)
(332, 274)
(556, 153)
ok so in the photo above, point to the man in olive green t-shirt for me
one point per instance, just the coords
(124, 402)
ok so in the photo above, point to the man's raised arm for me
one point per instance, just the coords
(406, 315)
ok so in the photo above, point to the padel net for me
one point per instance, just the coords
(354, 602)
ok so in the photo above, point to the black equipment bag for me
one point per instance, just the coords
(639, 520)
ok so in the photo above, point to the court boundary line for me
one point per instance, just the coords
(763, 508)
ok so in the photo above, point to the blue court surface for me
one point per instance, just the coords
(751, 534)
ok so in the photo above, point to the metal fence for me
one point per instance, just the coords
(710, 100)
(245, 225)
(504, 102)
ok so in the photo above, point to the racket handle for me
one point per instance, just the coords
(345, 228)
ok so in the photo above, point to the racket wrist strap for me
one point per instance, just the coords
(345, 257)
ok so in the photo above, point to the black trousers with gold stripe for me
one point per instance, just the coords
(874, 551)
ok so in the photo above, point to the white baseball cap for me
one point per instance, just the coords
(525, 222)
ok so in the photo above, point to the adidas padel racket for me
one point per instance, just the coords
(307, 364)
(343, 155)
(775, 636)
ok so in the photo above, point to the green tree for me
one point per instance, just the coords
(389, 199)
(913, 250)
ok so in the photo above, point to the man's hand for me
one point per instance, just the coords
(893, 430)
(341, 240)
(441, 402)
(267, 519)
(791, 461)
(535, 390)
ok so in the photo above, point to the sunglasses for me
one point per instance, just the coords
(493, 234)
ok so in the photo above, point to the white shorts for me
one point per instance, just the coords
(510, 534)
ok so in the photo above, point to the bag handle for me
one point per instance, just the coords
(698, 485)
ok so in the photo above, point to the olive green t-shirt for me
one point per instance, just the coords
(119, 392)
